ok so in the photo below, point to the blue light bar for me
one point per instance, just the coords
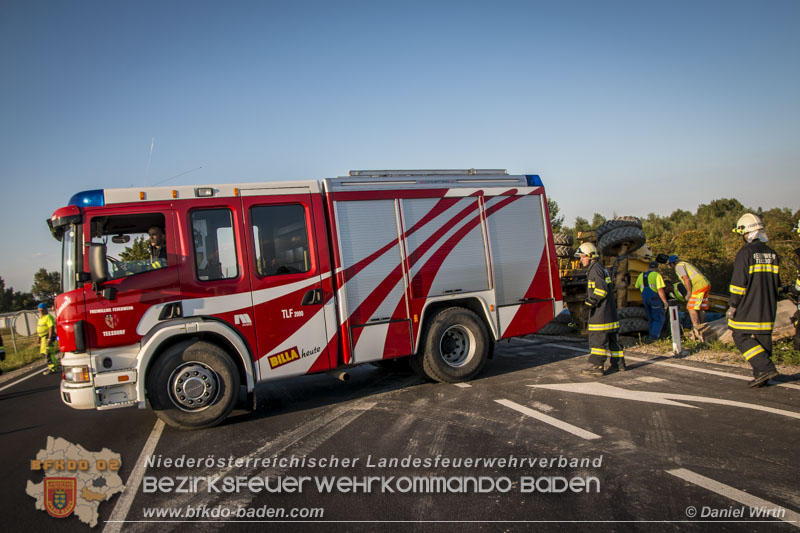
(93, 198)
(534, 180)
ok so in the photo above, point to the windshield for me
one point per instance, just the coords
(68, 266)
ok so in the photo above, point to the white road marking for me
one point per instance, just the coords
(125, 500)
(665, 398)
(462, 385)
(569, 428)
(681, 367)
(20, 380)
(734, 494)
(705, 371)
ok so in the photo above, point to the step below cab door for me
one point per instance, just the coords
(290, 279)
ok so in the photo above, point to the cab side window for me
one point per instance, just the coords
(214, 244)
(280, 235)
(134, 243)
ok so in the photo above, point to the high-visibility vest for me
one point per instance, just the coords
(699, 281)
(45, 323)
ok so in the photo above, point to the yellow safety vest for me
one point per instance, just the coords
(45, 323)
(698, 280)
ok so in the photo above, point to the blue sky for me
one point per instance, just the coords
(621, 107)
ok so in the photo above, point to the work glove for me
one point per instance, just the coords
(730, 313)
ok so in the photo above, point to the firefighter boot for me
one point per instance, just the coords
(762, 378)
(593, 370)
(617, 365)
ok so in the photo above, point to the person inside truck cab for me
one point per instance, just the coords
(157, 247)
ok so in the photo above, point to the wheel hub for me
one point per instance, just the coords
(193, 386)
(457, 346)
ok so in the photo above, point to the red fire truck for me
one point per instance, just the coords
(183, 297)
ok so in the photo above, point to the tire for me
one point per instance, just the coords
(193, 385)
(555, 328)
(564, 251)
(562, 238)
(612, 242)
(619, 222)
(456, 346)
(632, 312)
(633, 325)
(562, 318)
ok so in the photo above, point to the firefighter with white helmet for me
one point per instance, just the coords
(754, 298)
(603, 323)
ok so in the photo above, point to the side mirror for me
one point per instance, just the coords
(98, 267)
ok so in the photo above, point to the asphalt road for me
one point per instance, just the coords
(670, 445)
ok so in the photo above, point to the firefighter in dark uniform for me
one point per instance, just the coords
(754, 298)
(603, 323)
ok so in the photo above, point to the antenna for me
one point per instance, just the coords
(149, 158)
(177, 175)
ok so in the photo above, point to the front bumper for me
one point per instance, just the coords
(105, 390)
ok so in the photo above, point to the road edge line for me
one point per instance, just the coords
(120, 512)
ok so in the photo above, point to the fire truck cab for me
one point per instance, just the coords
(182, 297)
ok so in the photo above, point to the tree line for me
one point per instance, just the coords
(46, 286)
(705, 238)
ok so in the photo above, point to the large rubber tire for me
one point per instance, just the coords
(562, 238)
(564, 251)
(632, 312)
(555, 328)
(456, 346)
(619, 222)
(633, 325)
(562, 318)
(193, 385)
(612, 242)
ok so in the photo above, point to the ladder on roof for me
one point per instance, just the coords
(444, 172)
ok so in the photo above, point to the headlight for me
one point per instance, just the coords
(76, 374)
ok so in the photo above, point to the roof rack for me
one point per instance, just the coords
(444, 172)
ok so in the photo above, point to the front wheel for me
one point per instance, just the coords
(456, 346)
(193, 385)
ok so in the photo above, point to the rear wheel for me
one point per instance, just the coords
(193, 385)
(456, 346)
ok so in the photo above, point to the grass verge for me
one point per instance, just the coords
(27, 351)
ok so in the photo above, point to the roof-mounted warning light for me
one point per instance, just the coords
(94, 198)
(204, 192)
(534, 180)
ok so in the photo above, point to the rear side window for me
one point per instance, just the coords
(214, 245)
(281, 239)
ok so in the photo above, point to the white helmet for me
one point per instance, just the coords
(748, 223)
(587, 249)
